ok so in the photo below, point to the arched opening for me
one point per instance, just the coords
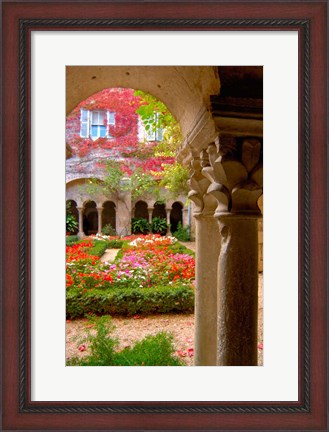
(141, 210)
(176, 216)
(192, 96)
(72, 217)
(90, 218)
(159, 210)
(109, 214)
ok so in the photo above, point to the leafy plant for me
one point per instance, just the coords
(182, 233)
(140, 226)
(71, 222)
(175, 178)
(155, 350)
(115, 244)
(159, 225)
(108, 230)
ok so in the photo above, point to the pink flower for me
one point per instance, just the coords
(82, 348)
(260, 346)
(190, 352)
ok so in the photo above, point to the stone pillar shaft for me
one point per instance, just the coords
(99, 212)
(80, 233)
(185, 220)
(168, 210)
(237, 296)
(150, 211)
(207, 251)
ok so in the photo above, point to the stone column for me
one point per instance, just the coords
(237, 290)
(185, 217)
(81, 234)
(207, 250)
(168, 210)
(150, 211)
(99, 211)
(235, 173)
(123, 215)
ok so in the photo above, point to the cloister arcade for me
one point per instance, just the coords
(93, 216)
(220, 113)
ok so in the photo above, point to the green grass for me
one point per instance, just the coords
(155, 350)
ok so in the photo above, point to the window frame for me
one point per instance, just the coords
(87, 124)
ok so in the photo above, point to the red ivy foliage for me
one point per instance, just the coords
(118, 100)
(124, 142)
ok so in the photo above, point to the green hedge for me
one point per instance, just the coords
(100, 246)
(145, 301)
(70, 240)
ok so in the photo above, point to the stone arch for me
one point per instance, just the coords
(192, 96)
(90, 218)
(176, 215)
(109, 214)
(185, 90)
(141, 210)
(159, 210)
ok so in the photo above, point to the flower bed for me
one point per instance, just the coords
(152, 274)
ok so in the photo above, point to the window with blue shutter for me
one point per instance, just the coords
(155, 134)
(93, 124)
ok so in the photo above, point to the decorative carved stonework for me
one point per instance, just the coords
(198, 185)
(235, 175)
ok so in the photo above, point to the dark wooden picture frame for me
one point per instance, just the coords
(310, 20)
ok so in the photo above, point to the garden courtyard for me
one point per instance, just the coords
(148, 285)
(155, 157)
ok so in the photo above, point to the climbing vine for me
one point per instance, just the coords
(127, 153)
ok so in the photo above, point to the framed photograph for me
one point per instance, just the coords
(55, 55)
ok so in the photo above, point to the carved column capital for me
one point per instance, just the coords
(235, 173)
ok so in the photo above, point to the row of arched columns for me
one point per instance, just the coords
(173, 214)
(92, 217)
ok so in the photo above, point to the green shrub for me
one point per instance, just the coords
(140, 226)
(71, 223)
(99, 247)
(70, 240)
(159, 225)
(182, 233)
(109, 230)
(176, 298)
(115, 244)
(155, 350)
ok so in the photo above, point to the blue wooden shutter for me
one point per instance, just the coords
(84, 123)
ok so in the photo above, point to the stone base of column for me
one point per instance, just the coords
(237, 291)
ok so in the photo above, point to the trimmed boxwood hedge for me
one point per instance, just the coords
(133, 301)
